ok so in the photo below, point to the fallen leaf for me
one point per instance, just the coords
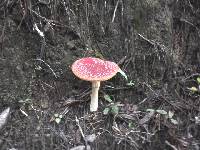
(170, 114)
(3, 117)
(175, 122)
(114, 109)
(105, 111)
(90, 138)
(162, 112)
(107, 98)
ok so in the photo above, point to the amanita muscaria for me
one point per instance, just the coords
(94, 70)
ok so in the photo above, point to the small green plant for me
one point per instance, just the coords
(123, 74)
(168, 115)
(194, 89)
(131, 124)
(112, 108)
(129, 83)
(57, 118)
(198, 80)
(107, 98)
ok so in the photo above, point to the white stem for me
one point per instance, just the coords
(94, 96)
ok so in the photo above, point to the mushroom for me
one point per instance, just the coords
(94, 70)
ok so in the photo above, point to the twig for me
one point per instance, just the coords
(38, 59)
(23, 112)
(48, 85)
(65, 111)
(45, 19)
(35, 111)
(118, 88)
(3, 33)
(73, 102)
(86, 12)
(144, 100)
(41, 34)
(169, 144)
(80, 129)
(50, 21)
(122, 12)
(122, 60)
(78, 124)
(24, 7)
(152, 43)
(114, 13)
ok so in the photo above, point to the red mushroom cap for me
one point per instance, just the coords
(94, 69)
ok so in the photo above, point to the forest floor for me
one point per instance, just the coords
(156, 108)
